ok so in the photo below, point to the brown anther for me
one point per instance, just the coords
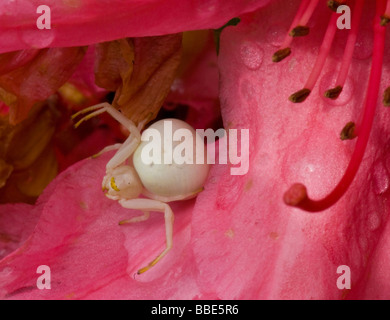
(299, 96)
(299, 31)
(384, 20)
(333, 5)
(295, 195)
(348, 132)
(281, 54)
(386, 97)
(333, 93)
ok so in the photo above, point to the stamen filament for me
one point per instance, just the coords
(321, 58)
(308, 13)
(285, 50)
(297, 194)
(348, 52)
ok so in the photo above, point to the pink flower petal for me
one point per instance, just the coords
(17, 222)
(240, 241)
(260, 247)
(84, 22)
(89, 254)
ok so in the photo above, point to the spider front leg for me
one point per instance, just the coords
(106, 107)
(152, 205)
(128, 147)
(115, 146)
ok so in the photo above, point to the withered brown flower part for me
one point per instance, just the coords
(141, 71)
(27, 158)
(31, 76)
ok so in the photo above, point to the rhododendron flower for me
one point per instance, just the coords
(310, 202)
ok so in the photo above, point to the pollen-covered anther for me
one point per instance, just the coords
(295, 195)
(300, 95)
(386, 97)
(333, 93)
(384, 20)
(333, 5)
(348, 132)
(281, 54)
(299, 31)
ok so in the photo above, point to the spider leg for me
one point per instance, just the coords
(117, 115)
(154, 205)
(144, 217)
(128, 147)
(107, 149)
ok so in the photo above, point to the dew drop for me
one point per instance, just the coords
(251, 55)
(373, 221)
(6, 272)
(328, 81)
(36, 38)
(206, 9)
(380, 179)
(276, 34)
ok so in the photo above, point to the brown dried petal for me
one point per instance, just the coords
(146, 75)
(31, 137)
(114, 63)
(5, 171)
(36, 78)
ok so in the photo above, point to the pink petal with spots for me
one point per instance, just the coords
(89, 254)
(247, 243)
(237, 239)
(84, 22)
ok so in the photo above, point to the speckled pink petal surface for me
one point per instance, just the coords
(17, 221)
(260, 247)
(237, 239)
(84, 22)
(89, 254)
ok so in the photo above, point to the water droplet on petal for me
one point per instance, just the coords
(380, 179)
(36, 38)
(206, 8)
(373, 221)
(328, 81)
(251, 55)
(6, 272)
(276, 34)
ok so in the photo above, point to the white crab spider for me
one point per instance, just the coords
(160, 183)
